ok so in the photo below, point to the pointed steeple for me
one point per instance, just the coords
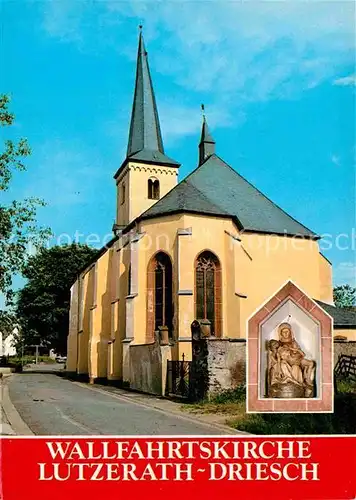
(207, 143)
(145, 138)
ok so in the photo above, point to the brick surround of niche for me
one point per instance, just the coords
(265, 405)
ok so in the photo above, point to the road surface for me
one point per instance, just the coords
(51, 405)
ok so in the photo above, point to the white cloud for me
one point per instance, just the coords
(345, 273)
(346, 81)
(336, 160)
(260, 49)
(226, 53)
(180, 120)
(62, 18)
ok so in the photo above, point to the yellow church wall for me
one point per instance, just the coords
(253, 268)
(122, 204)
(72, 340)
(350, 334)
(100, 310)
(124, 256)
(207, 233)
(274, 260)
(184, 349)
(115, 302)
(157, 237)
(86, 288)
(135, 177)
(114, 364)
(326, 288)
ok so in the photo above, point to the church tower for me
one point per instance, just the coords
(146, 174)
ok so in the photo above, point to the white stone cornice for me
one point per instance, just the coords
(154, 169)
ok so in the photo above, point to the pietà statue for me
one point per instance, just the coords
(290, 373)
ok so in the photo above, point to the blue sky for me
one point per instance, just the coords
(277, 79)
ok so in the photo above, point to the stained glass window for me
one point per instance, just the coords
(163, 292)
(207, 294)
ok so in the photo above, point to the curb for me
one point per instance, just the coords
(19, 427)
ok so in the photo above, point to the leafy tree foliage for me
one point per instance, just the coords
(43, 304)
(7, 323)
(18, 229)
(345, 296)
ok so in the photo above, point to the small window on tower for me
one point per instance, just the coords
(153, 189)
(123, 193)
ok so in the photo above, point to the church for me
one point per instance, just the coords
(210, 248)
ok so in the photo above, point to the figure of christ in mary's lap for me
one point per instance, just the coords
(290, 373)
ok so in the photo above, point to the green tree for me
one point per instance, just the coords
(7, 322)
(18, 229)
(345, 296)
(43, 304)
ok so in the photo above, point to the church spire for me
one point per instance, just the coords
(145, 138)
(207, 143)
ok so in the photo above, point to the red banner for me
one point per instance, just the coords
(279, 467)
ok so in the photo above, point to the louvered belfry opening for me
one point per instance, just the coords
(159, 293)
(208, 290)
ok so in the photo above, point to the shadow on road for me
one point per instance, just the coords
(53, 369)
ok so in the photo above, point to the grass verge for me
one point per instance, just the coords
(232, 404)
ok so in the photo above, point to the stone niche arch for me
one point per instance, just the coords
(306, 356)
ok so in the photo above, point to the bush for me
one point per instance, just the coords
(45, 359)
(230, 395)
(29, 359)
(344, 385)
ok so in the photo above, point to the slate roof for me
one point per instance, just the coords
(214, 188)
(207, 143)
(343, 318)
(145, 138)
(205, 133)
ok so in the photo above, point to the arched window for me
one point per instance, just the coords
(159, 294)
(208, 290)
(153, 189)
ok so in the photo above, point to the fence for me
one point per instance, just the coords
(178, 379)
(346, 367)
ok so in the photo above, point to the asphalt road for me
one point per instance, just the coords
(51, 405)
